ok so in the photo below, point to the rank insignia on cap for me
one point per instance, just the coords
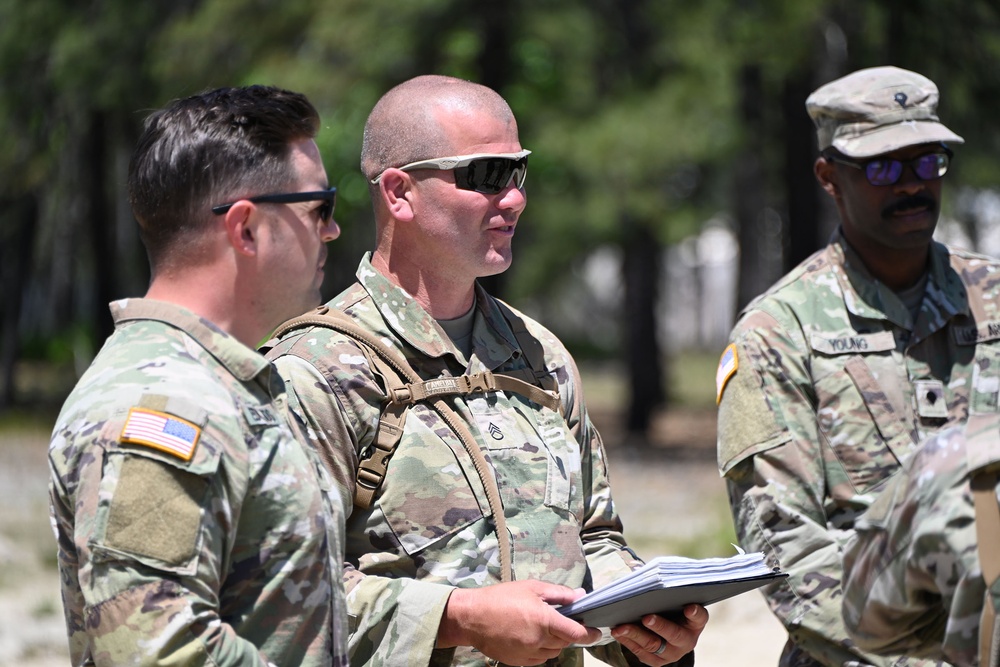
(161, 431)
(728, 364)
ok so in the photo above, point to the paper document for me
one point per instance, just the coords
(668, 583)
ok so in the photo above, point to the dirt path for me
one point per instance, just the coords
(32, 632)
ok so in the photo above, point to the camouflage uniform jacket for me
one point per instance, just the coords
(193, 526)
(429, 529)
(826, 388)
(912, 581)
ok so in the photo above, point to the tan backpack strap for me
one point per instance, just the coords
(486, 476)
(391, 364)
(984, 496)
(548, 398)
(483, 382)
(342, 322)
(372, 470)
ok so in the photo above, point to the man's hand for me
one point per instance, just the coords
(514, 623)
(660, 641)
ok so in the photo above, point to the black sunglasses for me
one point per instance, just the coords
(886, 171)
(325, 211)
(488, 173)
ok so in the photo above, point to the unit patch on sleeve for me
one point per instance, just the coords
(161, 431)
(728, 364)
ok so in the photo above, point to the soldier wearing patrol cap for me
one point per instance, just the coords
(878, 340)
(194, 525)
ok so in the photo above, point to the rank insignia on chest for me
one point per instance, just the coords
(728, 363)
(161, 431)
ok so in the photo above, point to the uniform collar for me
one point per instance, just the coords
(242, 362)
(866, 297)
(493, 342)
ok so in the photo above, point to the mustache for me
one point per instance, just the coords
(911, 202)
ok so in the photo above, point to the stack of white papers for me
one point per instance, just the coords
(669, 583)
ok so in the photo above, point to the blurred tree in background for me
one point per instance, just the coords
(647, 118)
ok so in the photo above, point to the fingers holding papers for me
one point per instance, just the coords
(661, 641)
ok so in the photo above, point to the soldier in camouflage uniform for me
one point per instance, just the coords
(912, 577)
(194, 523)
(423, 577)
(836, 373)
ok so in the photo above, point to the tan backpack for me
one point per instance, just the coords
(404, 388)
(984, 494)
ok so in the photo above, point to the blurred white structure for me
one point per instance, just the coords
(697, 293)
(698, 289)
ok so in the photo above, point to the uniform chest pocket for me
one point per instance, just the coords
(861, 408)
(530, 447)
(431, 490)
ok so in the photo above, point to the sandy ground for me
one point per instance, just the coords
(32, 633)
(670, 498)
(679, 507)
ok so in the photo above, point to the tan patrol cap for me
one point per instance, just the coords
(877, 110)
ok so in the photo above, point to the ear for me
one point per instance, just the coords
(826, 174)
(396, 191)
(242, 227)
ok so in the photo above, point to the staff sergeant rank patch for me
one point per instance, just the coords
(161, 431)
(728, 364)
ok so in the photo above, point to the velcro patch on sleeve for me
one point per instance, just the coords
(159, 430)
(729, 362)
(156, 511)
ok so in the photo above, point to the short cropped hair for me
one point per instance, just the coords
(211, 149)
(402, 127)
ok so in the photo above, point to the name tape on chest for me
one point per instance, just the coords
(161, 431)
(973, 334)
(883, 341)
(259, 415)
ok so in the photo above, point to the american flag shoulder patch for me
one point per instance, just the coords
(728, 364)
(161, 431)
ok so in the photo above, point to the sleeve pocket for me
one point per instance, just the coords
(747, 423)
(154, 514)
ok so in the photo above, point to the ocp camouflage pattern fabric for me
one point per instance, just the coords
(835, 386)
(227, 554)
(912, 579)
(430, 527)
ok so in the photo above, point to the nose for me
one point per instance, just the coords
(329, 231)
(512, 198)
(909, 183)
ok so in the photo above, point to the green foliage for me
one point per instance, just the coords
(633, 109)
(44, 609)
(714, 537)
(691, 382)
(61, 348)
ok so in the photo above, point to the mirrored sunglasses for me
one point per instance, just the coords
(885, 171)
(328, 197)
(488, 173)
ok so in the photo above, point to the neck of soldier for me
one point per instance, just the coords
(442, 295)
(215, 296)
(896, 268)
